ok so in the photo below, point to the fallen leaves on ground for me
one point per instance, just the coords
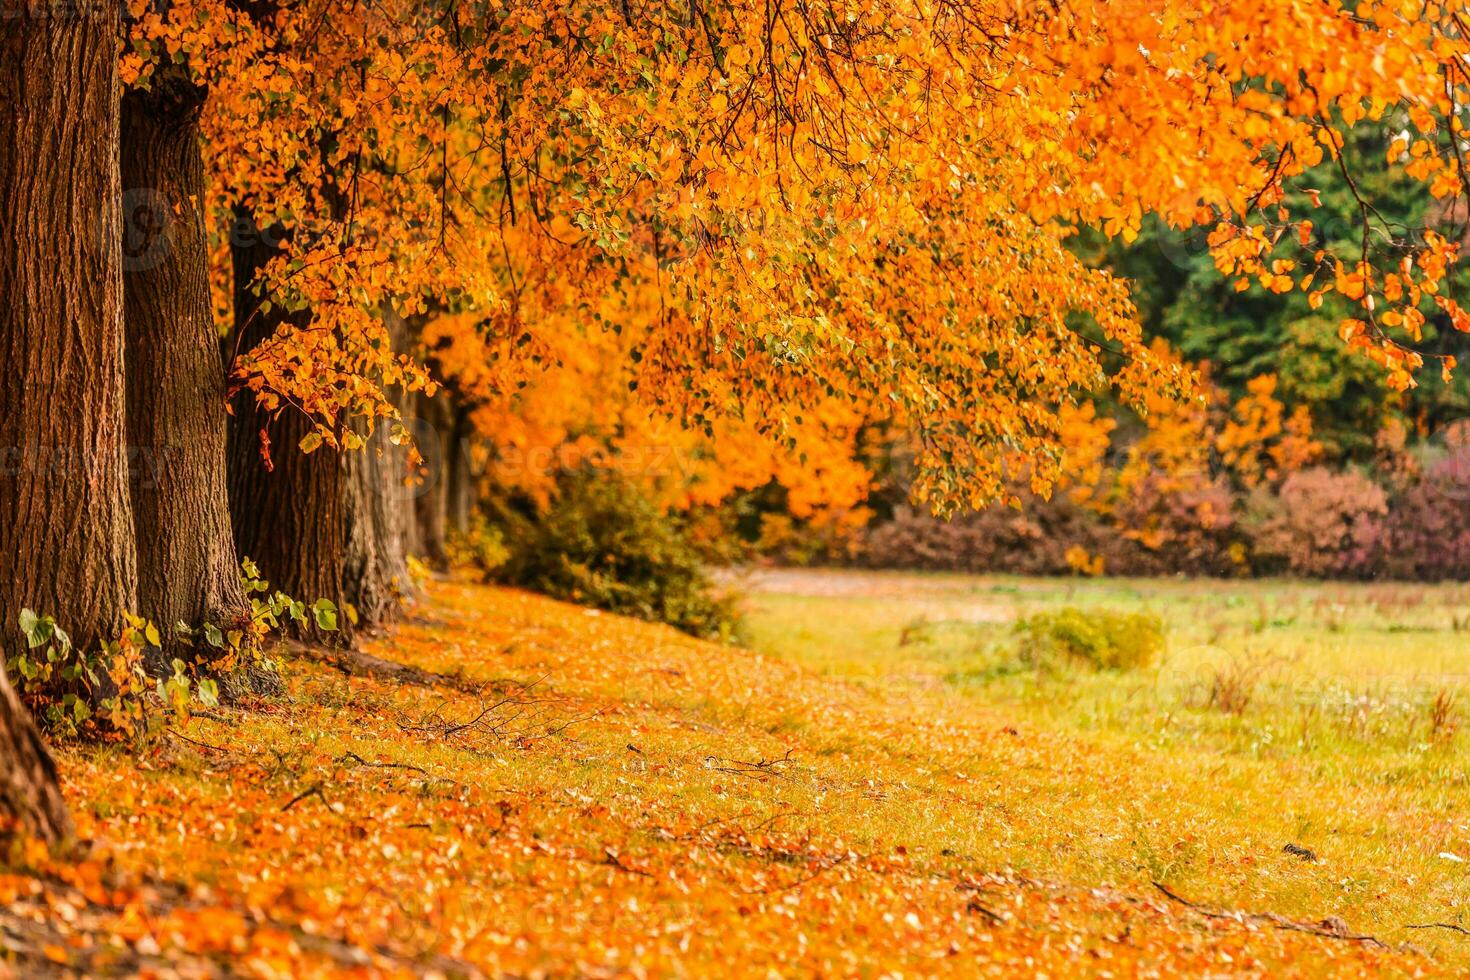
(554, 791)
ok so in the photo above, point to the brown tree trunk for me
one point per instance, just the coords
(288, 515)
(187, 572)
(431, 507)
(66, 531)
(462, 491)
(413, 543)
(377, 579)
(30, 796)
(376, 569)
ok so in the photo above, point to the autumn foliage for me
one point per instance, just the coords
(344, 293)
(776, 207)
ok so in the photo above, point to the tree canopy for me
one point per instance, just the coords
(784, 203)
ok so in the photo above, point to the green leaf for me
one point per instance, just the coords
(209, 692)
(311, 442)
(41, 631)
(213, 636)
(324, 611)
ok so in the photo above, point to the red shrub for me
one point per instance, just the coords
(1323, 524)
(1180, 527)
(1429, 527)
(1030, 541)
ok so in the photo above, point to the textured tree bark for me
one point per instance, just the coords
(66, 530)
(377, 579)
(288, 517)
(462, 489)
(431, 508)
(376, 568)
(187, 570)
(413, 544)
(30, 796)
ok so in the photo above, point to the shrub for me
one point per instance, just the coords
(1322, 524)
(1429, 533)
(1034, 540)
(1101, 640)
(1319, 523)
(1180, 525)
(481, 545)
(919, 541)
(602, 543)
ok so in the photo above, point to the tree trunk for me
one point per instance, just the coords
(66, 532)
(376, 569)
(30, 796)
(377, 578)
(288, 516)
(463, 489)
(431, 507)
(187, 570)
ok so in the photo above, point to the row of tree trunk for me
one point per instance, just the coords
(125, 486)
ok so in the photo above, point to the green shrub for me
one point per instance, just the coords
(603, 543)
(481, 545)
(1101, 640)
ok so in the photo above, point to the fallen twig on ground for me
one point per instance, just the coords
(1438, 925)
(354, 757)
(1329, 928)
(762, 770)
(313, 790)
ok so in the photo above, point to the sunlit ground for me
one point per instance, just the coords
(878, 788)
(1327, 716)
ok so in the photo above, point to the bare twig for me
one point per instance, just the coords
(762, 770)
(1439, 925)
(192, 741)
(354, 757)
(516, 715)
(314, 790)
(1329, 928)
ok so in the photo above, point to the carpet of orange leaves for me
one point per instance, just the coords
(558, 792)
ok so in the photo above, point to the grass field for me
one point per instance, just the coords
(1325, 716)
(516, 786)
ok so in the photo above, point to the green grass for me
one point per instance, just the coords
(1281, 712)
